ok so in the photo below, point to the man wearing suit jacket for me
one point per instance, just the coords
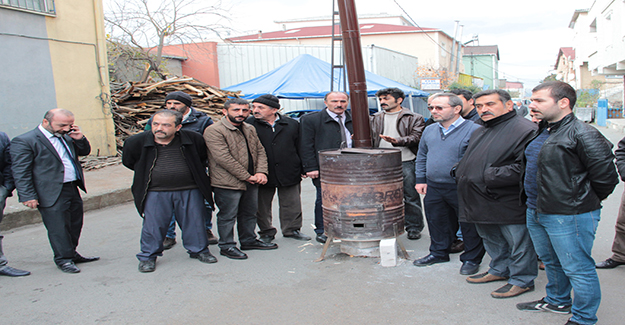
(330, 128)
(47, 176)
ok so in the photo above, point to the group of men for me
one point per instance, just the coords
(506, 186)
(518, 190)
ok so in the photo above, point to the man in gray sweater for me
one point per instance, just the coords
(442, 146)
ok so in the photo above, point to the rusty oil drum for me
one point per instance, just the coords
(362, 193)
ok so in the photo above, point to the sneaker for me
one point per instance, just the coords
(485, 277)
(510, 290)
(147, 266)
(542, 305)
(169, 243)
(212, 239)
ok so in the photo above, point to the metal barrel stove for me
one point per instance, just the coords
(362, 196)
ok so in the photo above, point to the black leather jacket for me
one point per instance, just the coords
(575, 168)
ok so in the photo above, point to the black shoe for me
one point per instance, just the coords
(413, 234)
(212, 239)
(204, 257)
(9, 271)
(266, 239)
(608, 264)
(321, 238)
(457, 246)
(85, 259)
(469, 268)
(570, 322)
(298, 235)
(429, 260)
(233, 253)
(147, 266)
(169, 243)
(69, 267)
(542, 305)
(259, 245)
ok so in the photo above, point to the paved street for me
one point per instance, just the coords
(283, 286)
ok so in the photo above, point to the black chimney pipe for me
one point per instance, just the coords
(355, 74)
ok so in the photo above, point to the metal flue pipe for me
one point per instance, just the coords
(355, 74)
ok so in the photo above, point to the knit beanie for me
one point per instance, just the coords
(181, 97)
(269, 100)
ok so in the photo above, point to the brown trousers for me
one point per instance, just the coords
(618, 247)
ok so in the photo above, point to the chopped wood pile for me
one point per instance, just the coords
(134, 103)
(96, 162)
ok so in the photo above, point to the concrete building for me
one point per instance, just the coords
(53, 54)
(599, 43)
(483, 62)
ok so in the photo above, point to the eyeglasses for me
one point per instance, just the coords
(438, 108)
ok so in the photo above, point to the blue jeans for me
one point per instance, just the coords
(564, 244)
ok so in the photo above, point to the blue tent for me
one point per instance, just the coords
(309, 77)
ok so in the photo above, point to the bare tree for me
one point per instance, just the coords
(151, 24)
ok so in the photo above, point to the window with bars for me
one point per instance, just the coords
(37, 6)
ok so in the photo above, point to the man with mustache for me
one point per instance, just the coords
(488, 178)
(192, 120)
(331, 128)
(279, 135)
(170, 177)
(237, 165)
(47, 176)
(442, 146)
(398, 127)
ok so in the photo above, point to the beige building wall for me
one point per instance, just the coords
(415, 44)
(80, 70)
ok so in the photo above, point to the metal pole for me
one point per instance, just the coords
(355, 74)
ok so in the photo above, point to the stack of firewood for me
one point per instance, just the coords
(134, 103)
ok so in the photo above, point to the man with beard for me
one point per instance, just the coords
(238, 165)
(442, 146)
(330, 128)
(48, 175)
(398, 127)
(170, 177)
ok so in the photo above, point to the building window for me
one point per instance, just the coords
(35, 6)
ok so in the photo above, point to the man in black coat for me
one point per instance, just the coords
(330, 128)
(489, 177)
(48, 175)
(6, 189)
(170, 176)
(280, 136)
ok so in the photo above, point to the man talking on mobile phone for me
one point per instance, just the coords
(47, 176)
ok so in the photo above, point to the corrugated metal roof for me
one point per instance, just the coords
(326, 31)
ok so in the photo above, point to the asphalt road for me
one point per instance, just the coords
(283, 286)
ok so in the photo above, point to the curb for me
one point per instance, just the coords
(26, 216)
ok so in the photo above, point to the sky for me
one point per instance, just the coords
(529, 33)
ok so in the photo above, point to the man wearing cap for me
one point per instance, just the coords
(280, 136)
(330, 128)
(196, 121)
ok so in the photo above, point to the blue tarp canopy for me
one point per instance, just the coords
(309, 77)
